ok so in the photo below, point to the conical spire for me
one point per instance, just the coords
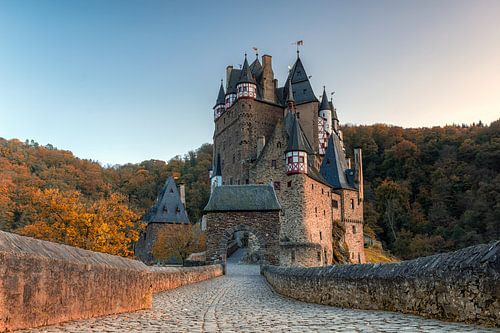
(296, 140)
(218, 169)
(221, 96)
(325, 105)
(246, 74)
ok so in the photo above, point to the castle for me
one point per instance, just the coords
(280, 170)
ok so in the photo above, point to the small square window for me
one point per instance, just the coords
(277, 185)
(335, 204)
(289, 184)
(273, 164)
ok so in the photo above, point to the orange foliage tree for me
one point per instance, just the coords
(104, 225)
(177, 241)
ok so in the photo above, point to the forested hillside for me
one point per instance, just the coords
(430, 190)
(427, 190)
(49, 193)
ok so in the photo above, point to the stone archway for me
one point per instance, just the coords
(263, 224)
(229, 234)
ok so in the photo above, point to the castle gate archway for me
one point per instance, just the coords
(253, 208)
(221, 226)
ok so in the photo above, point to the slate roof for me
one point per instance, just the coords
(302, 90)
(246, 75)
(221, 96)
(168, 207)
(296, 137)
(334, 166)
(233, 81)
(325, 105)
(256, 68)
(228, 198)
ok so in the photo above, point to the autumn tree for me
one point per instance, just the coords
(106, 225)
(177, 241)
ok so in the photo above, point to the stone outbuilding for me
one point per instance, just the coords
(169, 209)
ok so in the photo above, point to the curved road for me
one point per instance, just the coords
(242, 301)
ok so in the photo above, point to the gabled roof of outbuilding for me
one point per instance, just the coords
(168, 207)
(247, 198)
(334, 167)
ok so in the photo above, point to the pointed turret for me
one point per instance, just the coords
(325, 112)
(325, 104)
(220, 104)
(246, 87)
(297, 149)
(246, 73)
(232, 77)
(222, 94)
(217, 174)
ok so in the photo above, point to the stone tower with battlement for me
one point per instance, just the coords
(287, 137)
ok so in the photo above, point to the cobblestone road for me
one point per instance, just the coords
(243, 302)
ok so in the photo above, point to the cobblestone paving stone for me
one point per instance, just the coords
(242, 301)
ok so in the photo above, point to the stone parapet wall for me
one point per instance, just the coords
(459, 286)
(43, 283)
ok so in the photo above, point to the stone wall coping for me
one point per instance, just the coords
(12, 243)
(483, 258)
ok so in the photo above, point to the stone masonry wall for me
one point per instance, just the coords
(352, 218)
(318, 219)
(222, 225)
(43, 283)
(458, 286)
(236, 133)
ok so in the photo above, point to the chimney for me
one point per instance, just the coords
(267, 83)
(182, 193)
(261, 142)
(358, 165)
(229, 69)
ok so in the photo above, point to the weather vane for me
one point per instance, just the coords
(298, 43)
(256, 51)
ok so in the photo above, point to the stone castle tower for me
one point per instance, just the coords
(285, 136)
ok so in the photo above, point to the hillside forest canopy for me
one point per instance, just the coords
(427, 190)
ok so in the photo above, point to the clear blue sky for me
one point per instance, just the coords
(125, 81)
